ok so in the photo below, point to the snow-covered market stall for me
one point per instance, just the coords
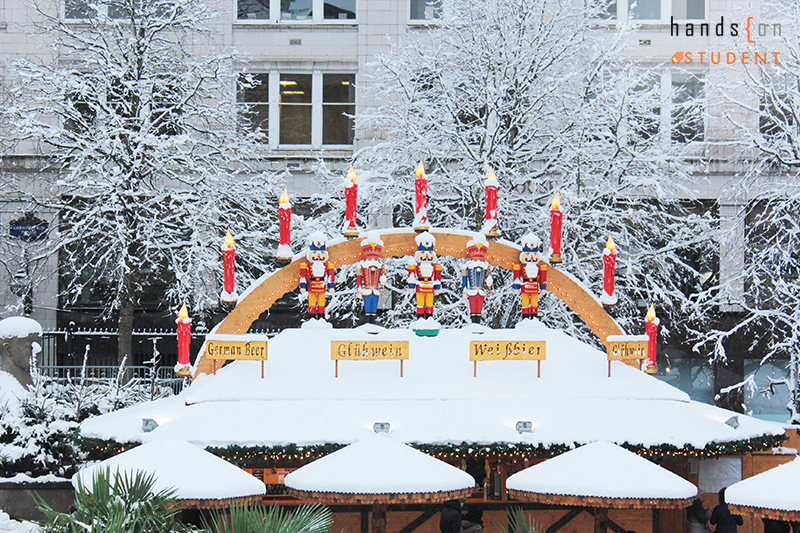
(489, 401)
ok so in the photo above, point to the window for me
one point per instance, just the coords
(339, 9)
(651, 10)
(338, 108)
(297, 9)
(312, 109)
(253, 9)
(115, 9)
(425, 9)
(687, 107)
(254, 91)
(295, 109)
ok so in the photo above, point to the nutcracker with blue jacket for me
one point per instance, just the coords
(317, 276)
(371, 275)
(530, 275)
(425, 274)
(476, 275)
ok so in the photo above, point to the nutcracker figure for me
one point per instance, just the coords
(530, 275)
(317, 276)
(371, 275)
(476, 275)
(425, 275)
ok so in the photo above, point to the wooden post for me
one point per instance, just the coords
(503, 477)
(337, 368)
(379, 518)
(364, 521)
(474, 369)
(401, 368)
(656, 520)
(600, 520)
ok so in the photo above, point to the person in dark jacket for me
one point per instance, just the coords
(450, 521)
(473, 520)
(722, 517)
(698, 516)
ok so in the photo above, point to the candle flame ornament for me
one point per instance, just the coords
(556, 221)
(228, 295)
(350, 196)
(651, 329)
(608, 297)
(490, 226)
(285, 221)
(183, 368)
(421, 193)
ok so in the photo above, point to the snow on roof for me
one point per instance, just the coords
(437, 401)
(603, 470)
(379, 464)
(18, 326)
(194, 473)
(773, 489)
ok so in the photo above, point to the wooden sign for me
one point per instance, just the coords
(252, 350)
(626, 348)
(497, 350)
(507, 350)
(369, 351)
(227, 347)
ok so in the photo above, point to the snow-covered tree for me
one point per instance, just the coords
(764, 108)
(136, 112)
(537, 92)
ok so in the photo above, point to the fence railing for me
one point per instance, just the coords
(137, 378)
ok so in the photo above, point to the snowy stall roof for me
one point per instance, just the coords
(379, 469)
(438, 401)
(601, 474)
(772, 494)
(199, 478)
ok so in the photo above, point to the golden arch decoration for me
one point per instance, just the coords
(398, 243)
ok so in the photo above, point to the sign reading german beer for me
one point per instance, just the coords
(522, 350)
(369, 351)
(226, 347)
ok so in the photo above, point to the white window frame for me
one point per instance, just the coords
(317, 16)
(273, 130)
(623, 12)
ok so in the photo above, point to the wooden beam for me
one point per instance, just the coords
(563, 521)
(418, 521)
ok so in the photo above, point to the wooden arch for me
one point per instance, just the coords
(398, 243)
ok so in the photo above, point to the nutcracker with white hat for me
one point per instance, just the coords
(530, 275)
(425, 274)
(317, 275)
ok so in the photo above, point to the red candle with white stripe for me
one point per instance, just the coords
(421, 191)
(285, 221)
(229, 270)
(609, 265)
(350, 197)
(651, 329)
(556, 220)
(490, 226)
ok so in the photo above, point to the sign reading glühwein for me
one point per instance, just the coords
(369, 351)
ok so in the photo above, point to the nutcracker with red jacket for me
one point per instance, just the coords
(317, 276)
(476, 275)
(530, 275)
(425, 275)
(371, 274)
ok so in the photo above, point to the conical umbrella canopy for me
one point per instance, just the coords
(602, 474)
(773, 493)
(197, 476)
(379, 469)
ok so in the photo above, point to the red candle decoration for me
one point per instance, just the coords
(229, 269)
(556, 219)
(350, 196)
(184, 340)
(609, 264)
(490, 226)
(285, 219)
(421, 189)
(651, 329)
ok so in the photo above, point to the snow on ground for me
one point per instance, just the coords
(437, 401)
(12, 526)
(379, 465)
(193, 473)
(604, 470)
